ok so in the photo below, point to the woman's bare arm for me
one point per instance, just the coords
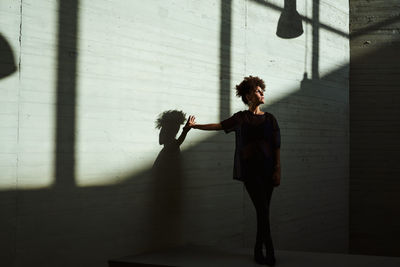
(207, 127)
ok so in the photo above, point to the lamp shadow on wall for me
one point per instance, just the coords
(290, 24)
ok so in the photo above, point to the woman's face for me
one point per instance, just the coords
(256, 97)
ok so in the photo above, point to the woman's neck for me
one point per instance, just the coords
(255, 110)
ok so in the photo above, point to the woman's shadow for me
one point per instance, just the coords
(167, 182)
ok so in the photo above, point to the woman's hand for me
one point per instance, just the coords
(276, 177)
(190, 123)
(208, 127)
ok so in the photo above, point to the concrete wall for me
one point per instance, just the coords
(83, 84)
(374, 109)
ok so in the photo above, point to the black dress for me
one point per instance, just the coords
(257, 138)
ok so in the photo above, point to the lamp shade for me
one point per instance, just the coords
(290, 22)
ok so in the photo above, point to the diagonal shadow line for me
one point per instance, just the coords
(66, 94)
(357, 33)
(304, 18)
(374, 27)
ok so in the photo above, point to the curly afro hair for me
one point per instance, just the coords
(247, 85)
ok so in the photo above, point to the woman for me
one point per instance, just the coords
(257, 157)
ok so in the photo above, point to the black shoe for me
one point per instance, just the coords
(270, 260)
(258, 256)
(260, 259)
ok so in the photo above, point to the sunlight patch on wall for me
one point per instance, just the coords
(135, 62)
(33, 100)
(334, 49)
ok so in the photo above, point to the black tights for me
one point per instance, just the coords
(260, 192)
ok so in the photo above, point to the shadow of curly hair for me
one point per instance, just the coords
(170, 118)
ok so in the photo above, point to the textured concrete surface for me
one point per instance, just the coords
(82, 83)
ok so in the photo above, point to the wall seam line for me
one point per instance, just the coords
(18, 129)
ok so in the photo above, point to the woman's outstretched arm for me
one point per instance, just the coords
(207, 127)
